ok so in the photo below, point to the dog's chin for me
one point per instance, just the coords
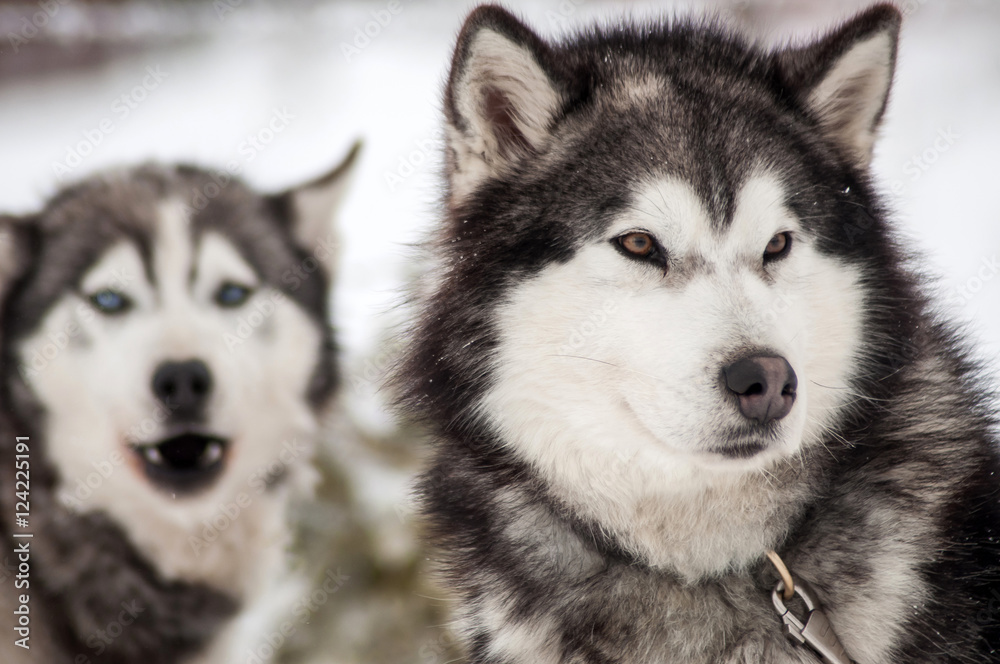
(184, 462)
(746, 450)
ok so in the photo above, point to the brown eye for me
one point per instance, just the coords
(640, 244)
(778, 246)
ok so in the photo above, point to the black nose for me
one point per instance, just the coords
(764, 385)
(183, 387)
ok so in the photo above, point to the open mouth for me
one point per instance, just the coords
(186, 462)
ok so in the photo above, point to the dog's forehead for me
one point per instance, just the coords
(715, 156)
(159, 210)
(689, 106)
(118, 267)
(673, 209)
(142, 208)
(177, 258)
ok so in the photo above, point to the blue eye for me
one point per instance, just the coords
(232, 295)
(110, 302)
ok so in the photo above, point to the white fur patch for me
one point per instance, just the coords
(608, 373)
(516, 639)
(874, 620)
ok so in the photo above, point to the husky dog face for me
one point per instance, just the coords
(167, 337)
(650, 283)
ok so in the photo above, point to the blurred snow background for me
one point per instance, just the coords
(225, 68)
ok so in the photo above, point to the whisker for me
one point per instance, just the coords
(610, 364)
(857, 395)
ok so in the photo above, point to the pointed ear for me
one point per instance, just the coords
(843, 79)
(311, 208)
(501, 99)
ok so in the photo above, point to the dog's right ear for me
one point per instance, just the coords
(501, 99)
(15, 250)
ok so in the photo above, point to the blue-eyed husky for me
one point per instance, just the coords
(670, 331)
(167, 357)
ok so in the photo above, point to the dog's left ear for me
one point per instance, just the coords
(843, 79)
(311, 208)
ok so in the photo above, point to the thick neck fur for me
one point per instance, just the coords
(693, 535)
(694, 569)
(721, 528)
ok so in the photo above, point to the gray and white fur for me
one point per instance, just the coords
(671, 328)
(166, 350)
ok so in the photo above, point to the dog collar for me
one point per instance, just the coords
(815, 630)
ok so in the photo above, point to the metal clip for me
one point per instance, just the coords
(816, 631)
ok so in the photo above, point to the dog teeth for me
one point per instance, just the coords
(211, 454)
(153, 456)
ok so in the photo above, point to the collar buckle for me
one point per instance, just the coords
(816, 631)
